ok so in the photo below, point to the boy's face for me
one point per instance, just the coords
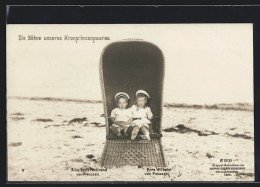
(122, 103)
(141, 101)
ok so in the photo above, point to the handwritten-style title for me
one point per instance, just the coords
(65, 38)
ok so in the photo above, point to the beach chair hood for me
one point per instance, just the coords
(128, 66)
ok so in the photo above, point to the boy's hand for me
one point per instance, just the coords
(146, 120)
(120, 123)
(123, 124)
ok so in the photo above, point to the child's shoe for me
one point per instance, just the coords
(125, 129)
(126, 133)
(146, 137)
(116, 130)
(119, 134)
(134, 134)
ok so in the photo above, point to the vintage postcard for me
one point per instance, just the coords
(130, 102)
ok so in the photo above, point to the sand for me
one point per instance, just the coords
(63, 141)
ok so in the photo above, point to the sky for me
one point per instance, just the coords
(204, 63)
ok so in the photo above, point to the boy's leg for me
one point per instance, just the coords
(125, 130)
(146, 133)
(128, 131)
(116, 129)
(134, 132)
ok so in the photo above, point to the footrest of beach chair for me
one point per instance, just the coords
(113, 136)
(138, 152)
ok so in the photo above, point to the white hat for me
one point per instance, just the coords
(122, 94)
(142, 92)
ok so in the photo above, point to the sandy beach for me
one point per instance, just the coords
(63, 141)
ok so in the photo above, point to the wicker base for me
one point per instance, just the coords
(139, 152)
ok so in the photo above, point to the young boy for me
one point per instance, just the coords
(121, 116)
(142, 115)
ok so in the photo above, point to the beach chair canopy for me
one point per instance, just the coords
(128, 66)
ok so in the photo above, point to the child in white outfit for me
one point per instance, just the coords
(142, 115)
(121, 116)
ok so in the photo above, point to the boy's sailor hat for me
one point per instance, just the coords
(142, 92)
(122, 94)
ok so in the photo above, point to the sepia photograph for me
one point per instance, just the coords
(130, 102)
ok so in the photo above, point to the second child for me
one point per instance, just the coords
(142, 115)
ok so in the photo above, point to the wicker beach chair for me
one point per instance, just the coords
(128, 66)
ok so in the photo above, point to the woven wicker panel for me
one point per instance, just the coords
(140, 152)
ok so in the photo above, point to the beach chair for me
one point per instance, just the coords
(128, 66)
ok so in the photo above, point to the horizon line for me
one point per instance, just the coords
(245, 106)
